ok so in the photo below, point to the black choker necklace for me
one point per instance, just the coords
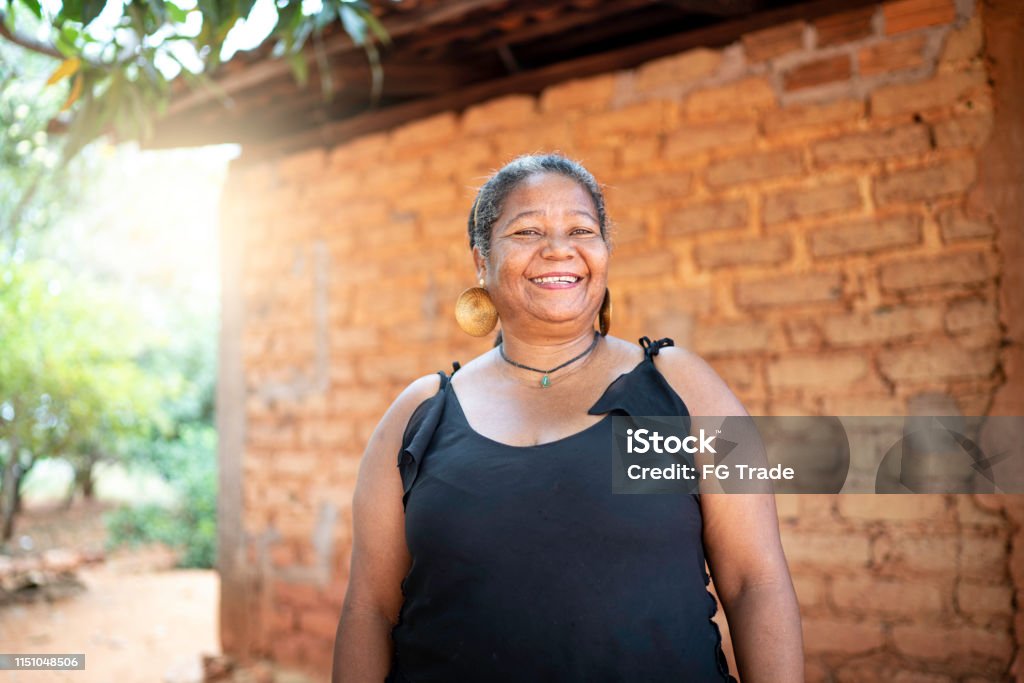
(545, 381)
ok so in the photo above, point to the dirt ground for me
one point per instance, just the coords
(136, 621)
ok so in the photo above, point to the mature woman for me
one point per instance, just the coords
(496, 550)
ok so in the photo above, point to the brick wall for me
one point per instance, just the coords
(794, 207)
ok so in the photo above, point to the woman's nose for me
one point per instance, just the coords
(558, 245)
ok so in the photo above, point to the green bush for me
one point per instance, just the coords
(190, 526)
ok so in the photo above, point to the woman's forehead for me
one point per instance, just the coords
(543, 192)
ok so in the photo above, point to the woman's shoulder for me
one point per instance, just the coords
(415, 395)
(699, 385)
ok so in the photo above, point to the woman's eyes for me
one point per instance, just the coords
(534, 231)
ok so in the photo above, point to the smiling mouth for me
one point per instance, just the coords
(556, 280)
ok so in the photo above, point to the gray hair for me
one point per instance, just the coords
(491, 197)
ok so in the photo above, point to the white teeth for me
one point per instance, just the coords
(557, 278)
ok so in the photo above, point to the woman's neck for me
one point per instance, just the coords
(546, 354)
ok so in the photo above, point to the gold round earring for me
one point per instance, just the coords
(475, 312)
(604, 317)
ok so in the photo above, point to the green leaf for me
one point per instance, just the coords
(300, 67)
(70, 10)
(34, 7)
(377, 28)
(158, 10)
(354, 24)
(244, 7)
(70, 34)
(177, 14)
(91, 9)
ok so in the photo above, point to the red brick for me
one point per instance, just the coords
(641, 150)
(866, 236)
(844, 27)
(359, 153)
(984, 600)
(820, 72)
(789, 205)
(695, 139)
(745, 96)
(296, 594)
(647, 189)
(947, 642)
(956, 224)
(908, 15)
(757, 251)
(674, 299)
(583, 94)
(896, 508)
(281, 620)
(302, 165)
(891, 55)
(841, 636)
(916, 677)
(754, 167)
(901, 141)
(937, 362)
(944, 90)
(984, 558)
(930, 182)
(964, 131)
(812, 116)
(882, 325)
(810, 590)
(726, 338)
(643, 265)
(322, 623)
(607, 126)
(863, 405)
(888, 597)
(289, 649)
(677, 70)
(433, 131)
(788, 507)
(933, 554)
(512, 111)
(774, 41)
(790, 290)
(629, 228)
(953, 269)
(816, 371)
(972, 315)
(697, 218)
(803, 334)
(847, 552)
(742, 375)
(963, 43)
(815, 672)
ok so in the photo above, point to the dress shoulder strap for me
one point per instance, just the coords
(651, 348)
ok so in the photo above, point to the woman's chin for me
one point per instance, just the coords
(562, 317)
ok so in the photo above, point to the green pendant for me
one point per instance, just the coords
(545, 382)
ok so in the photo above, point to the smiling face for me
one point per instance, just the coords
(548, 260)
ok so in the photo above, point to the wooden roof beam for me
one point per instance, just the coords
(267, 68)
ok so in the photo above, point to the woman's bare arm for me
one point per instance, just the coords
(380, 557)
(743, 547)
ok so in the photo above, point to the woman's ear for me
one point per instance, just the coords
(479, 263)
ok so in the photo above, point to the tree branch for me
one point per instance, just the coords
(26, 42)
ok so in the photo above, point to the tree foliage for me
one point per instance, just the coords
(117, 60)
(65, 391)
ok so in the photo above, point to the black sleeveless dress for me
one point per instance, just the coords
(525, 566)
